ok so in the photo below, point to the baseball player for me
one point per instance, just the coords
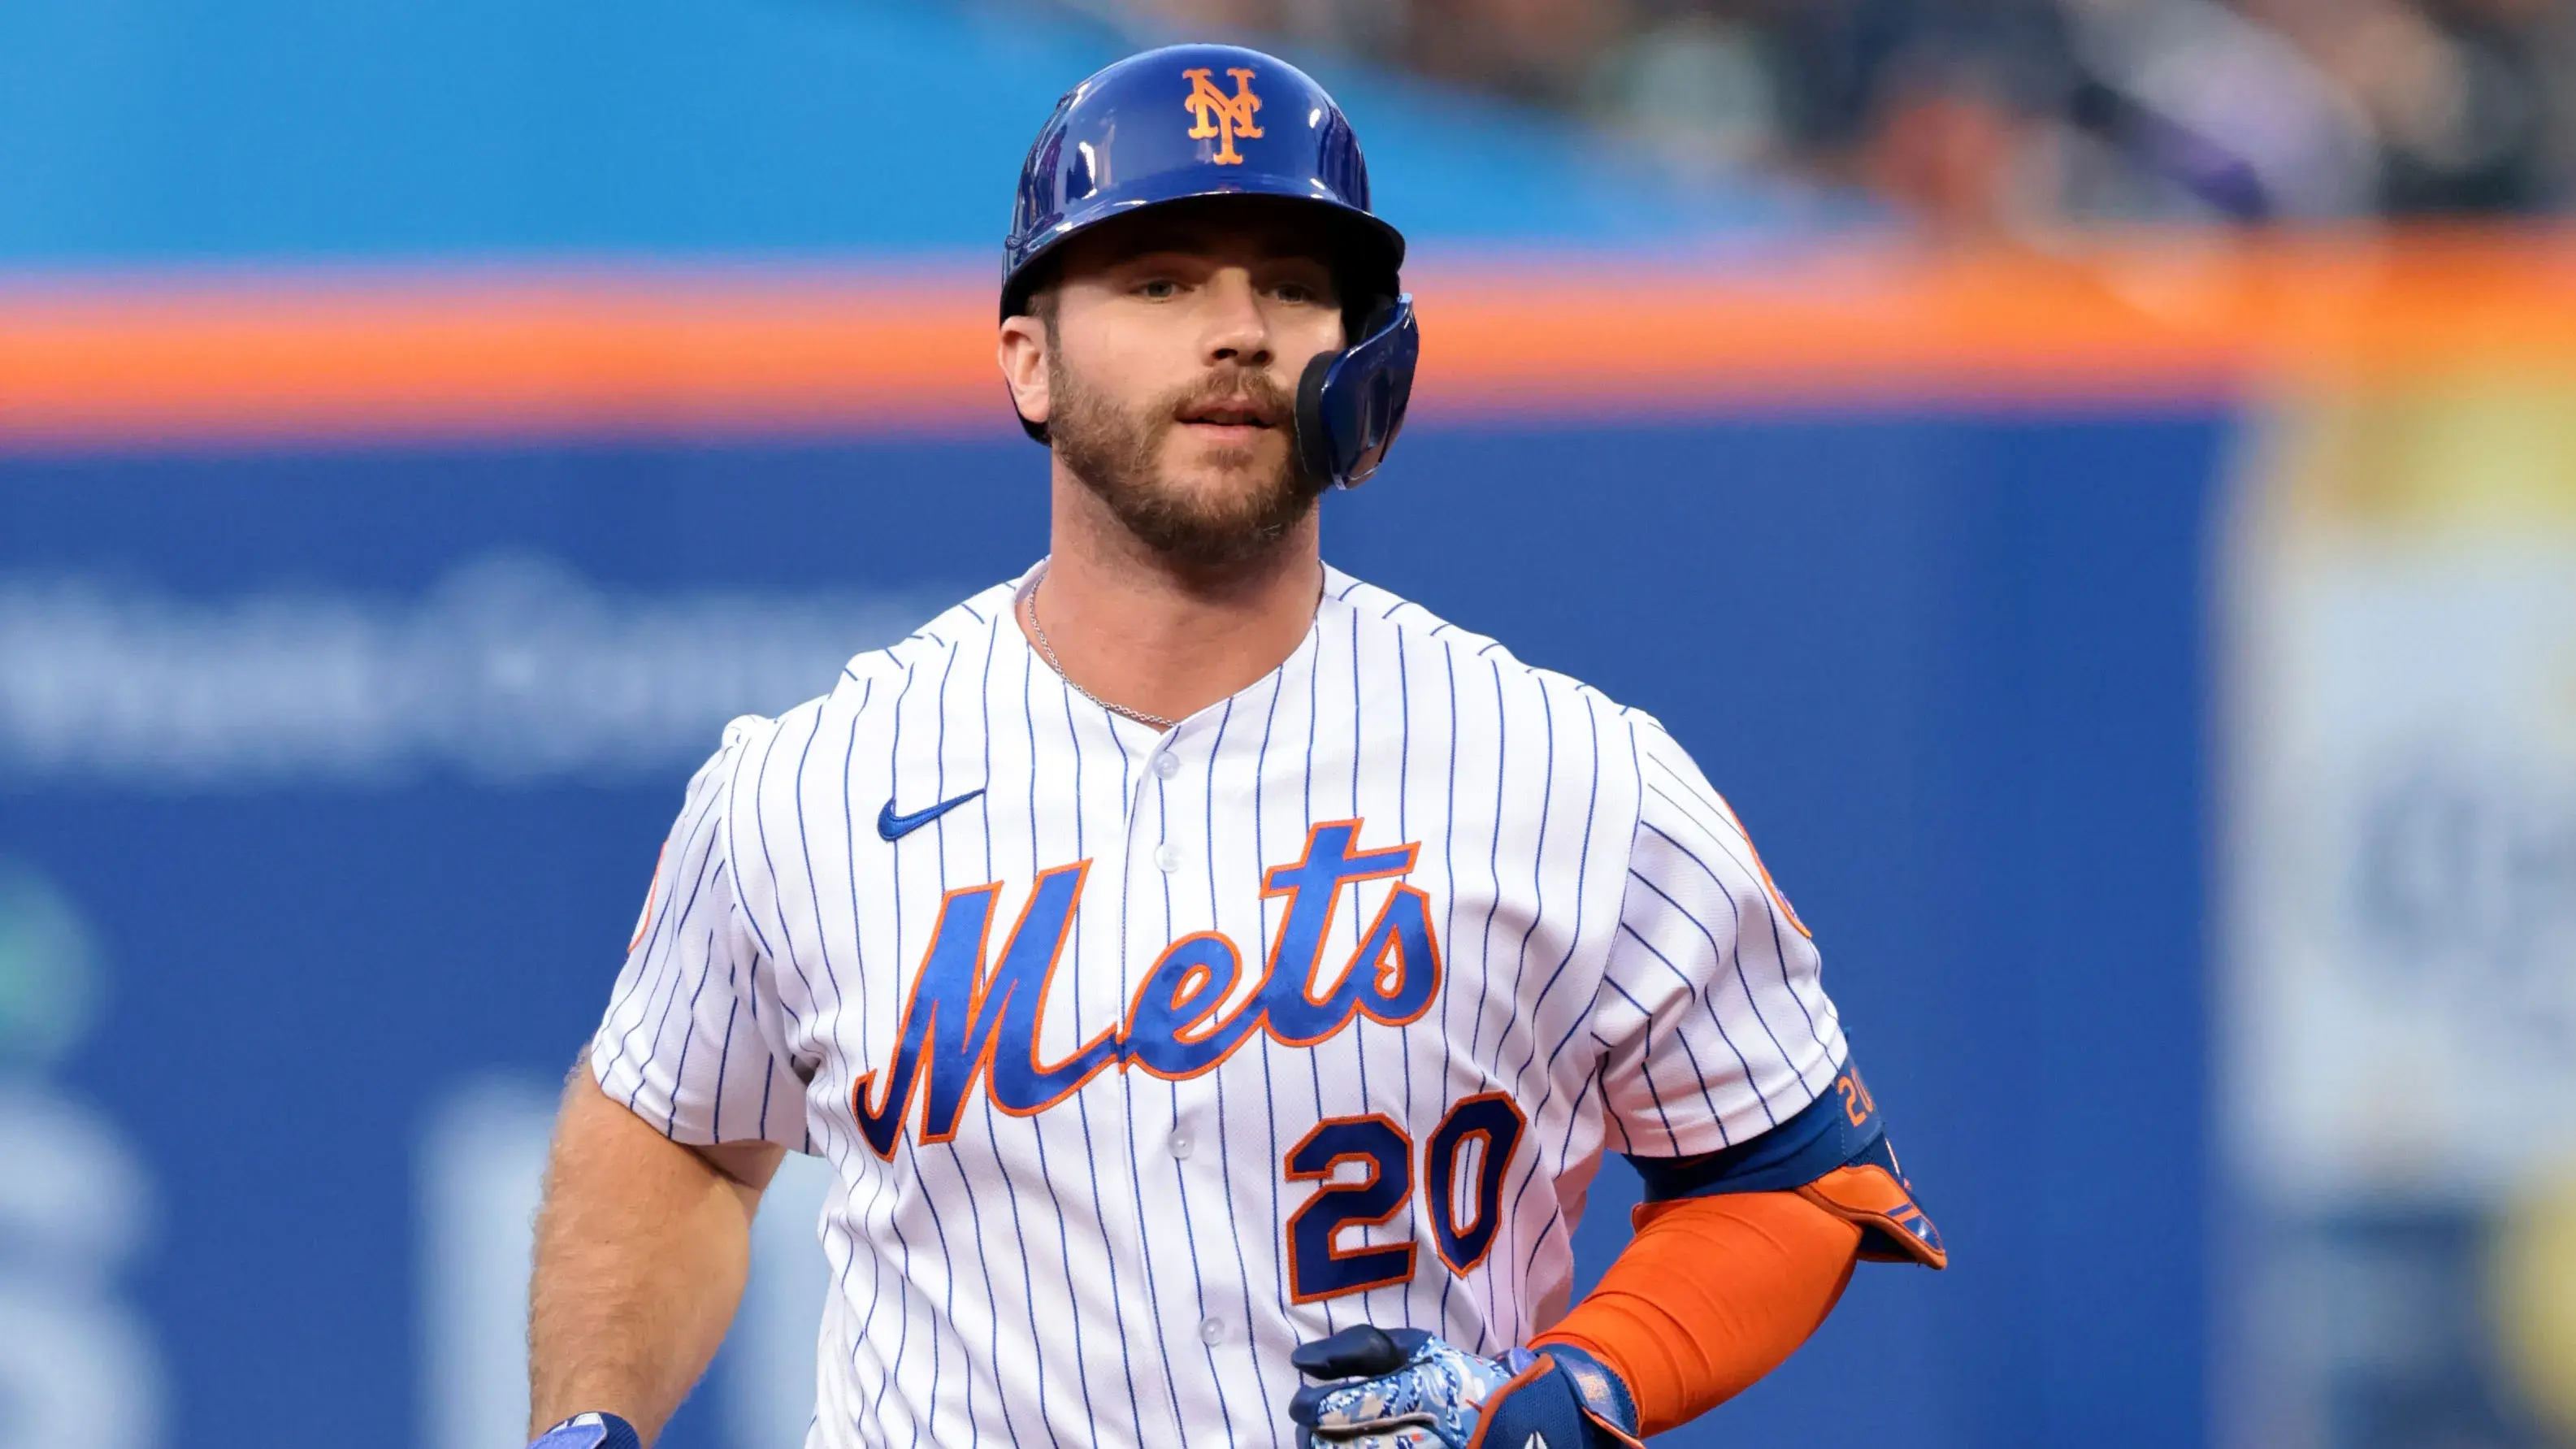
(1214, 980)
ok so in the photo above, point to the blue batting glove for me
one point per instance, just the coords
(1406, 1389)
(590, 1431)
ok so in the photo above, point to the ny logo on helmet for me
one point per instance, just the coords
(1221, 115)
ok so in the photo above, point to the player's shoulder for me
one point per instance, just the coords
(1372, 610)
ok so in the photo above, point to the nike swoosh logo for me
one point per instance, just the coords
(895, 827)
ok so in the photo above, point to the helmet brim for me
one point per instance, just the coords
(1368, 252)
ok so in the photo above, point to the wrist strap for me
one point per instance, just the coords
(590, 1431)
(1602, 1395)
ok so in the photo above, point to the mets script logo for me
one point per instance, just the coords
(1222, 117)
(972, 1018)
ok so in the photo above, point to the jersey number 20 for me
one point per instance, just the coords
(1319, 1268)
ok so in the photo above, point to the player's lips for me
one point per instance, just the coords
(1234, 419)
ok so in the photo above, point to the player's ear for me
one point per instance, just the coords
(1023, 355)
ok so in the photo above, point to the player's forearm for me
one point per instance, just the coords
(1712, 1294)
(642, 1248)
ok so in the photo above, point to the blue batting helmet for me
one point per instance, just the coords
(1194, 121)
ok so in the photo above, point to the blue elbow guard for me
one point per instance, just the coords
(1834, 1153)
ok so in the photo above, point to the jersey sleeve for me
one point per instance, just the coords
(694, 1040)
(1715, 1025)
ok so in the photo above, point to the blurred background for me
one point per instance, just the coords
(2094, 481)
(2022, 116)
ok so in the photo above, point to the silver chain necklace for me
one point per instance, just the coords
(1047, 649)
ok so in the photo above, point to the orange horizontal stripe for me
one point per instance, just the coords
(616, 350)
(390, 355)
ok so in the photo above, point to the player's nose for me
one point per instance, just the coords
(1237, 330)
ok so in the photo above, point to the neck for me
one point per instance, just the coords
(1140, 630)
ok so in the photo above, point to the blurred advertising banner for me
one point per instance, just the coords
(510, 668)
(2400, 843)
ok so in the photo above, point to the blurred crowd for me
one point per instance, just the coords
(2016, 115)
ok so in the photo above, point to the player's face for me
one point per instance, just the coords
(1171, 374)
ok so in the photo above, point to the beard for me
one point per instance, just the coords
(1117, 454)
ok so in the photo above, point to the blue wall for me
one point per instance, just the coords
(1949, 668)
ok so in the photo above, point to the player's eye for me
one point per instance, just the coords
(1158, 289)
(1299, 294)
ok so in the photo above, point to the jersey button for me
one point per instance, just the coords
(1167, 858)
(1212, 1332)
(1167, 764)
(1180, 1144)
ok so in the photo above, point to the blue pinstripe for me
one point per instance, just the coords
(850, 839)
(1582, 877)
(992, 1130)
(1538, 879)
(1449, 925)
(1359, 1049)
(1723, 1035)
(1126, 1083)
(1752, 872)
(903, 1274)
(1733, 949)
(1314, 1062)
(1180, 1179)
(672, 923)
(1646, 1072)
(1493, 865)
(974, 1210)
(689, 1036)
(1064, 1237)
(1224, 1149)
(1081, 1101)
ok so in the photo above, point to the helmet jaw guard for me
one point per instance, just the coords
(1350, 404)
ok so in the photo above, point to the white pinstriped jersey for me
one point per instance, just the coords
(1141, 1058)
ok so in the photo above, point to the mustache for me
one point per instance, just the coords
(1232, 387)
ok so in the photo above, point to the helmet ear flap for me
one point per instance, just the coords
(1314, 448)
(1350, 404)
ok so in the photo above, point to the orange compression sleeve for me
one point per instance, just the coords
(1712, 1293)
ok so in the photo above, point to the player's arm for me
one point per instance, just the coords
(669, 1130)
(1740, 1254)
(642, 1248)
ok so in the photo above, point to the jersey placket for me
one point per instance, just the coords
(1195, 1222)
(1137, 1147)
